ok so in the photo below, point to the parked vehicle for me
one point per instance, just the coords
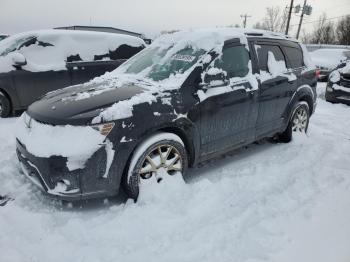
(2, 37)
(188, 97)
(338, 86)
(34, 63)
(327, 59)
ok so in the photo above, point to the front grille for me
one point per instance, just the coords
(346, 77)
(344, 82)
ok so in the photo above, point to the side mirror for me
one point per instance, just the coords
(215, 77)
(18, 59)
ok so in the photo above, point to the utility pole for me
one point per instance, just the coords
(289, 15)
(245, 19)
(301, 18)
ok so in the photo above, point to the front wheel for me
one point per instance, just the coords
(159, 156)
(299, 122)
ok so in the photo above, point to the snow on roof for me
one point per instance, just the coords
(54, 32)
(210, 37)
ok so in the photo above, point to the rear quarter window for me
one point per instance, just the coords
(294, 57)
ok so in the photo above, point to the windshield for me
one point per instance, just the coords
(11, 44)
(158, 63)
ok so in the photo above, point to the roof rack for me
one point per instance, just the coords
(254, 34)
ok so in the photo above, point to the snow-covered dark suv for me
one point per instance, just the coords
(188, 97)
(37, 62)
(338, 86)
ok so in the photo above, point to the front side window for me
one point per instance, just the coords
(234, 61)
(12, 44)
(263, 54)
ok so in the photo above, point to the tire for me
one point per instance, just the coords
(299, 122)
(5, 105)
(147, 158)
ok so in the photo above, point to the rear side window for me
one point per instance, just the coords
(295, 57)
(234, 61)
(262, 52)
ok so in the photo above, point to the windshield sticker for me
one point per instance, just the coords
(185, 58)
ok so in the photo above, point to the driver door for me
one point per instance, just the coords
(228, 111)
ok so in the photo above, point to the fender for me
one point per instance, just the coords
(303, 93)
(185, 129)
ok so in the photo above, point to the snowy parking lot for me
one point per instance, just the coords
(267, 202)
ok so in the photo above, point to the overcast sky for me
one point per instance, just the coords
(148, 16)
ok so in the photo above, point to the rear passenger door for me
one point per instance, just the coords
(295, 61)
(277, 85)
(45, 70)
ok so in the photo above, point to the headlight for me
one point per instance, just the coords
(104, 129)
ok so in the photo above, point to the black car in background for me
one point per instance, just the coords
(338, 86)
(188, 97)
(34, 63)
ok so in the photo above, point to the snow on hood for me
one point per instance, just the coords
(329, 58)
(58, 45)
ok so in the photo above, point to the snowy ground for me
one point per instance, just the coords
(269, 202)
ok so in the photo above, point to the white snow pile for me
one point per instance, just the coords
(329, 58)
(64, 43)
(341, 88)
(334, 77)
(68, 141)
(345, 69)
(275, 67)
(123, 109)
(269, 202)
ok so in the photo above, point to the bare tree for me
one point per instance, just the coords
(275, 20)
(306, 38)
(323, 31)
(343, 31)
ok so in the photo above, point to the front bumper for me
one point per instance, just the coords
(338, 96)
(52, 176)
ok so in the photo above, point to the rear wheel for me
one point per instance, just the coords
(159, 156)
(5, 105)
(299, 122)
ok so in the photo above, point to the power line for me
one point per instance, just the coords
(316, 21)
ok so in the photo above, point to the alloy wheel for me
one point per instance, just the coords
(163, 159)
(300, 120)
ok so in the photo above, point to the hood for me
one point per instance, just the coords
(78, 105)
